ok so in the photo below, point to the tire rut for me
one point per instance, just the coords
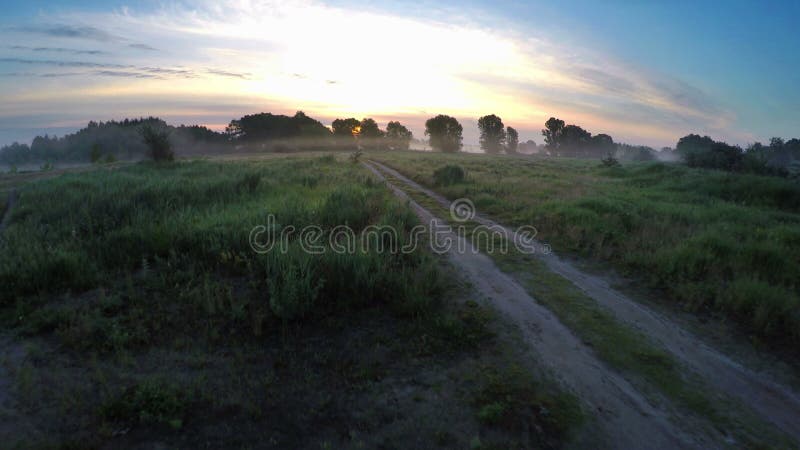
(626, 416)
(776, 402)
(5, 217)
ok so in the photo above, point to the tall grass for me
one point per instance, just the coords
(82, 231)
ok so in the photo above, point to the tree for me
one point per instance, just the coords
(398, 136)
(370, 130)
(512, 140)
(96, 151)
(602, 144)
(157, 140)
(573, 141)
(693, 143)
(493, 134)
(552, 133)
(445, 133)
(369, 134)
(345, 127)
(528, 146)
(267, 126)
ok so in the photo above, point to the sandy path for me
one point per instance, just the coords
(629, 420)
(772, 400)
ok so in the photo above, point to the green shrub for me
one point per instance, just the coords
(449, 175)
(150, 402)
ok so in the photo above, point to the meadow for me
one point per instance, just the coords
(710, 242)
(135, 312)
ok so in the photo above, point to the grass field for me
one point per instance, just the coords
(711, 241)
(136, 313)
(628, 350)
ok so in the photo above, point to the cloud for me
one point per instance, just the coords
(67, 31)
(117, 70)
(59, 50)
(143, 47)
(60, 63)
(225, 73)
(264, 50)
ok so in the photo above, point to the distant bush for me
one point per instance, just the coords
(449, 175)
(609, 161)
(158, 143)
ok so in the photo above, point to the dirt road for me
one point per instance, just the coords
(628, 419)
(777, 403)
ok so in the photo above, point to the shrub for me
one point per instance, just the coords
(158, 144)
(149, 402)
(609, 161)
(449, 175)
(718, 156)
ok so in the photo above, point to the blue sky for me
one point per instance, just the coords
(643, 72)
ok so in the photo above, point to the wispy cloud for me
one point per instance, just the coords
(58, 50)
(67, 31)
(143, 47)
(271, 51)
(119, 70)
(225, 73)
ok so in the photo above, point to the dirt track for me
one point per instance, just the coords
(628, 419)
(775, 402)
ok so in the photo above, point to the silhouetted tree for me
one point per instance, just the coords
(552, 133)
(574, 141)
(398, 137)
(445, 133)
(602, 144)
(370, 129)
(512, 140)
(157, 141)
(268, 126)
(493, 134)
(370, 135)
(345, 127)
(693, 143)
(528, 146)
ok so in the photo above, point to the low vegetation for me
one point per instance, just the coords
(142, 315)
(712, 241)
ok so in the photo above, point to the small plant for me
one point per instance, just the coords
(149, 402)
(13, 169)
(158, 143)
(609, 161)
(294, 287)
(448, 175)
(46, 167)
(355, 157)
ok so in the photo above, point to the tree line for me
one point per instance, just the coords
(133, 138)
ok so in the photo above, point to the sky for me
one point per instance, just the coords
(644, 72)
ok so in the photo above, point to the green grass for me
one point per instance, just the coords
(617, 344)
(713, 241)
(78, 233)
(154, 321)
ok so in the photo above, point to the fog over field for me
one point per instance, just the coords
(328, 224)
